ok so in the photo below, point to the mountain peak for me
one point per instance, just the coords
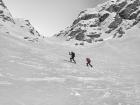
(20, 25)
(5, 15)
(111, 19)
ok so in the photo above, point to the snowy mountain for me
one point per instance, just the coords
(109, 20)
(41, 74)
(10, 25)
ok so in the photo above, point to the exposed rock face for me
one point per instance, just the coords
(26, 25)
(110, 19)
(130, 10)
(9, 24)
(4, 13)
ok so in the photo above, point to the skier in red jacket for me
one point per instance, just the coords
(88, 62)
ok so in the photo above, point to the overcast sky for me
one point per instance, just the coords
(49, 16)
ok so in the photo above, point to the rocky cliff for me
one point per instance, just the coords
(106, 21)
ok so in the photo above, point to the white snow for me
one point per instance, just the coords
(40, 74)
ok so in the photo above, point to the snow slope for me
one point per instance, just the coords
(36, 71)
(40, 74)
(11, 25)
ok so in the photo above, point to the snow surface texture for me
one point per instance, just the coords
(38, 72)
(109, 20)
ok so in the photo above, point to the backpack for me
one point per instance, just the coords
(88, 59)
(73, 54)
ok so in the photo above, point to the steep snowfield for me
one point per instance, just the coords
(40, 74)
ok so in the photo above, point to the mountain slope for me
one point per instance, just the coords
(40, 74)
(106, 21)
(11, 25)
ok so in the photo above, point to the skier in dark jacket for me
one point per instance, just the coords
(88, 62)
(72, 54)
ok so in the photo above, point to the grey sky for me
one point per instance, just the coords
(49, 16)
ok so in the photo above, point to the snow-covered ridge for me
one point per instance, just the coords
(11, 25)
(26, 25)
(5, 15)
(111, 19)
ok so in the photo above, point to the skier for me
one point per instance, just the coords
(72, 54)
(88, 62)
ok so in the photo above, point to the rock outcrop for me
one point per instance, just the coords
(108, 20)
(5, 15)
